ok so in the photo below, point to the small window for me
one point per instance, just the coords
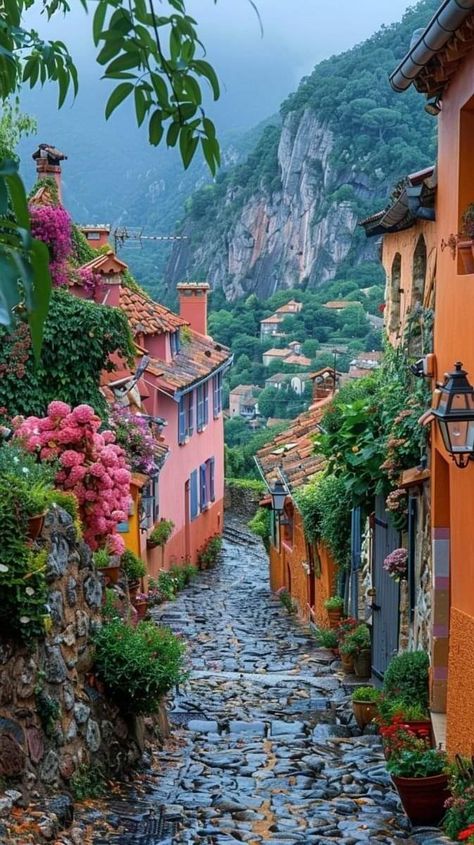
(217, 394)
(182, 420)
(189, 413)
(174, 343)
(211, 466)
(205, 388)
(93, 236)
(395, 294)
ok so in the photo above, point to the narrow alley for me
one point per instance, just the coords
(263, 748)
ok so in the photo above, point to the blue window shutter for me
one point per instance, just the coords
(190, 410)
(193, 488)
(203, 485)
(215, 396)
(181, 421)
(219, 392)
(206, 402)
(200, 408)
(212, 479)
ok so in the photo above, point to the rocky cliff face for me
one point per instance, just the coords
(296, 234)
(288, 215)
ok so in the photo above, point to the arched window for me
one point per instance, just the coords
(395, 290)
(419, 272)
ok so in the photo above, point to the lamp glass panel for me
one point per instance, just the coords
(458, 431)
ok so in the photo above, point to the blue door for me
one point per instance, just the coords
(386, 593)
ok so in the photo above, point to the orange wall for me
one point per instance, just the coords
(454, 341)
(405, 243)
(287, 570)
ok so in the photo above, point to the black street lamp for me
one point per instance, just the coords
(278, 493)
(455, 416)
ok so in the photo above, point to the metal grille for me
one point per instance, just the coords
(151, 830)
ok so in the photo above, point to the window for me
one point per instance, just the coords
(419, 271)
(149, 505)
(202, 405)
(203, 486)
(194, 494)
(394, 294)
(175, 343)
(217, 394)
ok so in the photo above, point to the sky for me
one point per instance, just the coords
(256, 71)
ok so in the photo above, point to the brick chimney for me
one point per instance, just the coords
(48, 165)
(193, 304)
(96, 236)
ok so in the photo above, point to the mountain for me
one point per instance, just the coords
(288, 214)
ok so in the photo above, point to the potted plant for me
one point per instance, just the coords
(365, 701)
(420, 776)
(327, 638)
(37, 505)
(140, 603)
(109, 567)
(334, 606)
(458, 822)
(466, 239)
(411, 717)
(346, 652)
(357, 646)
(134, 569)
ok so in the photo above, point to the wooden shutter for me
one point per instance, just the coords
(200, 408)
(182, 421)
(203, 486)
(206, 402)
(212, 479)
(215, 395)
(193, 490)
(190, 413)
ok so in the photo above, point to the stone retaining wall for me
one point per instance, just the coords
(53, 718)
(241, 501)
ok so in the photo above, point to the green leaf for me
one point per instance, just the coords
(205, 69)
(118, 95)
(187, 146)
(42, 293)
(141, 104)
(98, 21)
(155, 127)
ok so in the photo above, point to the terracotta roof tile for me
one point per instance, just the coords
(273, 319)
(198, 357)
(146, 316)
(291, 452)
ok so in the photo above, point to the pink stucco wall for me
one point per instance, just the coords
(188, 536)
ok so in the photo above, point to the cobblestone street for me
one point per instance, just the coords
(263, 746)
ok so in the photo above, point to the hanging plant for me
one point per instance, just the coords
(397, 506)
(396, 564)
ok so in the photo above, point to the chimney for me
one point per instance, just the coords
(193, 304)
(96, 236)
(48, 164)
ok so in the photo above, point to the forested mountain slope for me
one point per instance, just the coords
(288, 214)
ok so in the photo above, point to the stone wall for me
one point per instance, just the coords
(241, 501)
(54, 717)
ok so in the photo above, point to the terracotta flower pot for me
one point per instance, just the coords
(423, 799)
(111, 574)
(364, 712)
(421, 728)
(133, 589)
(334, 617)
(347, 661)
(466, 251)
(363, 664)
(141, 607)
(35, 525)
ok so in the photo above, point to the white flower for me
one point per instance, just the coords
(24, 620)
(3, 568)
(16, 459)
(29, 591)
(25, 470)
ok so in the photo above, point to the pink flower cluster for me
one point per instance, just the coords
(91, 465)
(86, 278)
(396, 564)
(52, 225)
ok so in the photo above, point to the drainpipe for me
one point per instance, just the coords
(445, 22)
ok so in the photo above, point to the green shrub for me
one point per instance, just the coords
(208, 555)
(161, 533)
(326, 637)
(167, 584)
(66, 501)
(23, 589)
(367, 694)
(460, 813)
(101, 559)
(334, 603)
(87, 782)
(133, 566)
(417, 762)
(247, 484)
(260, 525)
(286, 601)
(406, 679)
(138, 665)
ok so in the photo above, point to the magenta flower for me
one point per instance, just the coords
(396, 564)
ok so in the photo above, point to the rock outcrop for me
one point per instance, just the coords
(54, 718)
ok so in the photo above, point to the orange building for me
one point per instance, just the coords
(305, 569)
(441, 65)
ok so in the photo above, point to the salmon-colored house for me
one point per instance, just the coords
(179, 389)
(440, 64)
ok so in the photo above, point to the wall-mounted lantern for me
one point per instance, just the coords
(278, 493)
(455, 416)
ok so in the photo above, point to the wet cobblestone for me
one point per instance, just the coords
(264, 747)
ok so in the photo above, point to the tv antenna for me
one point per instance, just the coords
(126, 236)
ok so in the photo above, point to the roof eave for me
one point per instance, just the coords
(446, 21)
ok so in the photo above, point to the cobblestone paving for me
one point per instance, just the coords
(264, 748)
